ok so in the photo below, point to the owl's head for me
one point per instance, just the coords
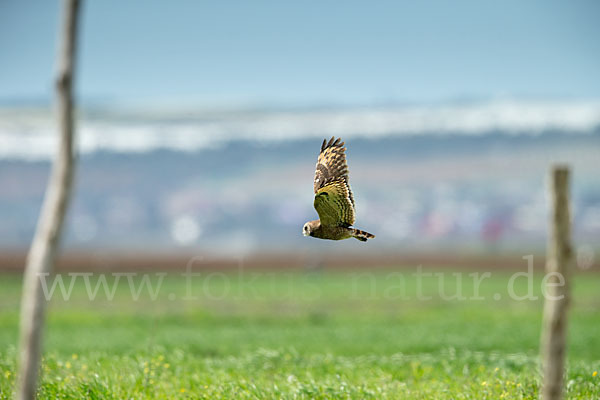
(309, 227)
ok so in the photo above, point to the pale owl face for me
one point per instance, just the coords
(306, 229)
(310, 227)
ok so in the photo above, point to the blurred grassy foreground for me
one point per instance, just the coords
(301, 335)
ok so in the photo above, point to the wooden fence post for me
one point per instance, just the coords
(44, 249)
(558, 265)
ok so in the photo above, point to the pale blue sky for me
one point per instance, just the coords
(308, 52)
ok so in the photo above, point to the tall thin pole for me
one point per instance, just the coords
(44, 249)
(558, 265)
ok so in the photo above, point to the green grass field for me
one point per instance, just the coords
(318, 335)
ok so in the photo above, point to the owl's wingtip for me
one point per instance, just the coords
(333, 142)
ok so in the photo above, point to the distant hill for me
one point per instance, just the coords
(154, 188)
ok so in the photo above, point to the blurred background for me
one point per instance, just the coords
(199, 125)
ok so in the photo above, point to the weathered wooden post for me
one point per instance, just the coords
(558, 265)
(44, 249)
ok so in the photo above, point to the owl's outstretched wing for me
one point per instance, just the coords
(333, 198)
(331, 166)
(333, 204)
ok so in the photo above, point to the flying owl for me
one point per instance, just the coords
(333, 198)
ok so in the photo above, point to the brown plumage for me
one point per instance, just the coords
(334, 201)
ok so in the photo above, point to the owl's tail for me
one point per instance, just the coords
(362, 235)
